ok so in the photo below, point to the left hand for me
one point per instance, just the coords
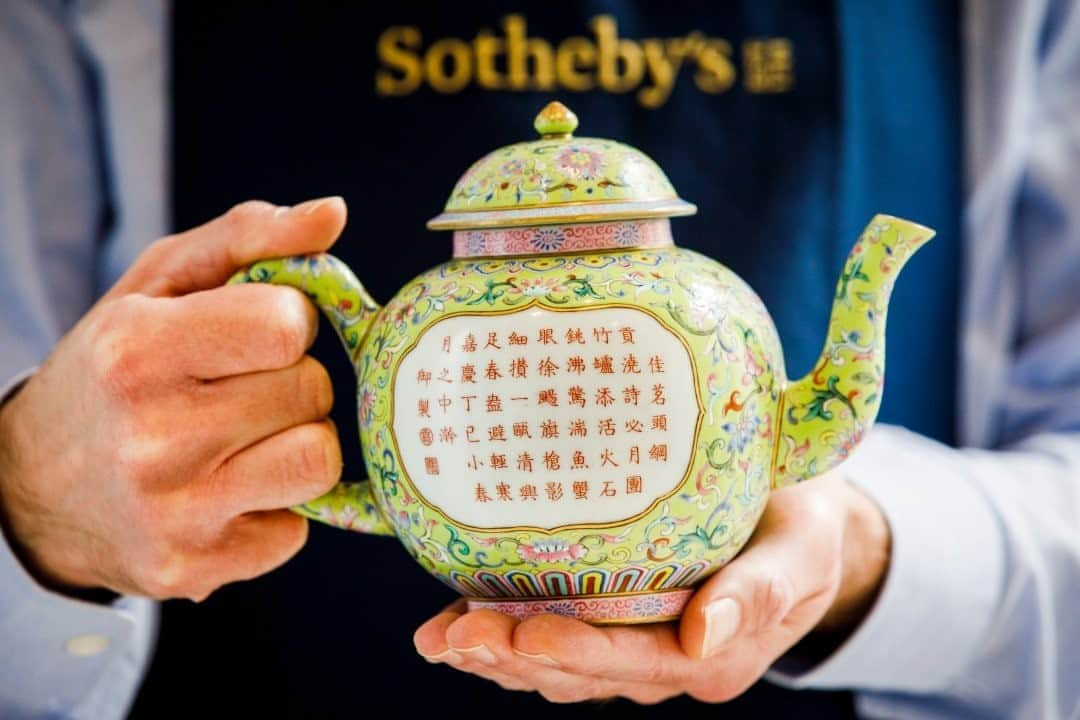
(815, 563)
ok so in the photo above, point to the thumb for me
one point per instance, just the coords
(206, 256)
(793, 558)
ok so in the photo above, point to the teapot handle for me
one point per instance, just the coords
(334, 289)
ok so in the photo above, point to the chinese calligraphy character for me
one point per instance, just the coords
(603, 364)
(468, 402)
(497, 432)
(447, 435)
(602, 335)
(494, 403)
(469, 345)
(498, 461)
(579, 461)
(492, 372)
(633, 485)
(493, 341)
(609, 489)
(607, 427)
(444, 376)
(554, 491)
(527, 492)
(627, 335)
(768, 65)
(444, 402)
(423, 376)
(656, 364)
(658, 395)
(634, 425)
(502, 491)
(547, 336)
(468, 373)
(446, 344)
(422, 408)
(659, 422)
(474, 463)
(521, 430)
(604, 398)
(575, 364)
(426, 436)
(576, 395)
(606, 458)
(630, 395)
(524, 462)
(581, 489)
(574, 335)
(658, 452)
(469, 430)
(518, 367)
(547, 367)
(431, 465)
(516, 339)
(548, 397)
(551, 460)
(549, 429)
(482, 494)
(635, 455)
(630, 365)
(578, 429)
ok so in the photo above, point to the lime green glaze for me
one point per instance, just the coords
(752, 429)
(586, 179)
(827, 412)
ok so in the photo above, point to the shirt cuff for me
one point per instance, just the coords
(945, 576)
(62, 656)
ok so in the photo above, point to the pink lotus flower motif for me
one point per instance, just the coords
(538, 287)
(513, 168)
(549, 551)
(367, 407)
(580, 162)
(345, 519)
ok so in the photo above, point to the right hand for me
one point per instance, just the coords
(156, 449)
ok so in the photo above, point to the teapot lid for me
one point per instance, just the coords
(559, 179)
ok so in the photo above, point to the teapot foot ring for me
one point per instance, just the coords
(602, 609)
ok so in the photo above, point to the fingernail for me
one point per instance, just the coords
(721, 623)
(281, 211)
(446, 656)
(538, 657)
(480, 654)
(307, 208)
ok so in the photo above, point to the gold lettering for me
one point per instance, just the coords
(394, 48)
(716, 71)
(519, 50)
(487, 47)
(457, 52)
(663, 59)
(574, 55)
(768, 65)
(615, 52)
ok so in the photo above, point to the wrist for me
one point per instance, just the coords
(865, 562)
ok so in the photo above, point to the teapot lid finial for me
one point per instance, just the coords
(556, 121)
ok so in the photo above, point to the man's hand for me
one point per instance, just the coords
(154, 450)
(815, 562)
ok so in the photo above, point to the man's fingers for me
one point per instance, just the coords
(286, 469)
(234, 413)
(430, 638)
(636, 654)
(208, 255)
(236, 329)
(791, 560)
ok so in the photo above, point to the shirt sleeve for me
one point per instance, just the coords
(977, 615)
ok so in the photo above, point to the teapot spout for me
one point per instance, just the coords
(825, 414)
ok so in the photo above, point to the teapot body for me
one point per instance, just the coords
(589, 433)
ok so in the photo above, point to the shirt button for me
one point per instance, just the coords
(87, 645)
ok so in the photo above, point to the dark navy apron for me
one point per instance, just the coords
(789, 124)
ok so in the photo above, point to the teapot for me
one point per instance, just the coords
(573, 415)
